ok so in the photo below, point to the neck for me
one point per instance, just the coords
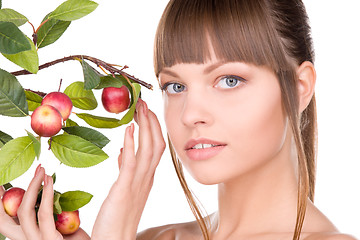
(261, 201)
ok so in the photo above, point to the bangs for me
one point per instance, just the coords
(236, 30)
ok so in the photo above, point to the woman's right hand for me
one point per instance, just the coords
(26, 226)
(121, 211)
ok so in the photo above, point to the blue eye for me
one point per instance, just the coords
(173, 88)
(229, 81)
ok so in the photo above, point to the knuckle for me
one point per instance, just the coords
(42, 214)
(130, 165)
(160, 146)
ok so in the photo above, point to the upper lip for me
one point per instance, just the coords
(192, 142)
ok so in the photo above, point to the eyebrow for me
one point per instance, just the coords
(169, 72)
(212, 67)
(207, 70)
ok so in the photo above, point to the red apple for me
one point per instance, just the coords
(60, 101)
(115, 100)
(68, 222)
(46, 121)
(12, 199)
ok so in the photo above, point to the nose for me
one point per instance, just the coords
(196, 109)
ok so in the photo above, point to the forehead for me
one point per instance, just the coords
(195, 31)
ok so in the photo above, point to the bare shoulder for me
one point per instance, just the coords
(169, 232)
(330, 236)
(166, 232)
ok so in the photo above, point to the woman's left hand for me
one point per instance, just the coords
(29, 228)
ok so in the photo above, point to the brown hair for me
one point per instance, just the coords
(273, 33)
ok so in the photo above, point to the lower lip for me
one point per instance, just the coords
(203, 154)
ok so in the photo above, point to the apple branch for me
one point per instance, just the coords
(109, 67)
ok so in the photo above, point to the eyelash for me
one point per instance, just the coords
(238, 79)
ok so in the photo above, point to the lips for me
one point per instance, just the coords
(202, 143)
(202, 149)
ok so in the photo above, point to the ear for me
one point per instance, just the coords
(306, 76)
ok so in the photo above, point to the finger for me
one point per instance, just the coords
(139, 102)
(45, 214)
(26, 212)
(128, 164)
(158, 141)
(144, 153)
(2, 191)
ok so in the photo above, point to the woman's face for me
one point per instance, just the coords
(224, 119)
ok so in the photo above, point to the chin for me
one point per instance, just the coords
(205, 176)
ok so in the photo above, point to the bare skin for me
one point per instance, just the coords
(25, 226)
(236, 105)
(257, 189)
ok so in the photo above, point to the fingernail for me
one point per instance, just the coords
(138, 104)
(129, 130)
(37, 170)
(132, 126)
(145, 108)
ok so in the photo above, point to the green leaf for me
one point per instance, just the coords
(33, 100)
(70, 123)
(134, 98)
(36, 143)
(76, 152)
(16, 158)
(73, 200)
(99, 122)
(51, 31)
(109, 81)
(54, 178)
(12, 96)
(4, 138)
(2, 237)
(88, 134)
(91, 76)
(10, 15)
(28, 60)
(73, 9)
(12, 40)
(57, 206)
(81, 98)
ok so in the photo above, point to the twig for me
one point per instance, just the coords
(96, 61)
(41, 94)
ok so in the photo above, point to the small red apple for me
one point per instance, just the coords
(115, 100)
(12, 199)
(60, 101)
(46, 121)
(68, 222)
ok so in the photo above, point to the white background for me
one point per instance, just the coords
(122, 32)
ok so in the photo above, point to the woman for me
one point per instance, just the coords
(238, 81)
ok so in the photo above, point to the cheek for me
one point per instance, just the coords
(260, 127)
(171, 117)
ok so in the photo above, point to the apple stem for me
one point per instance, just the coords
(60, 85)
